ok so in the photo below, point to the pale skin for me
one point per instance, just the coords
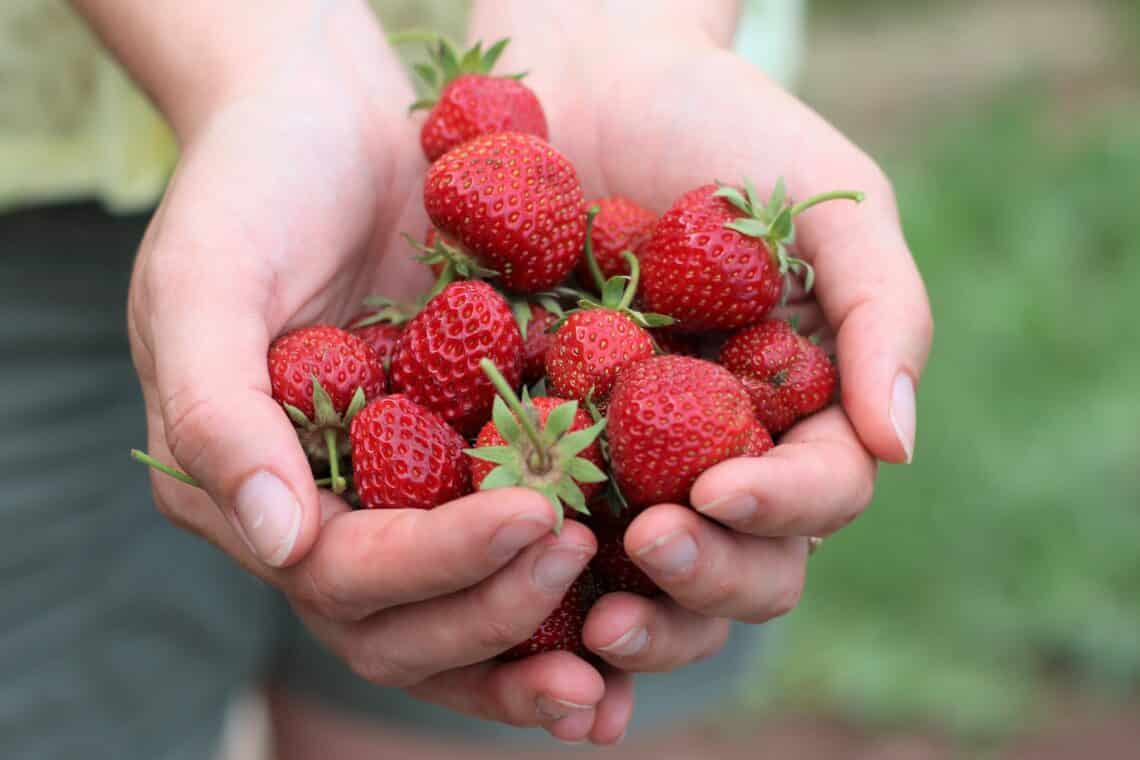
(300, 170)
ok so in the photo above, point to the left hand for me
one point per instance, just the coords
(647, 102)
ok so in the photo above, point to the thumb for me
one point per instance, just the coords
(208, 340)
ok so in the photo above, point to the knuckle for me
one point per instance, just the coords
(315, 592)
(719, 595)
(188, 424)
(498, 633)
(381, 669)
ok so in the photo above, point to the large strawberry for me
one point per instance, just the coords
(562, 629)
(594, 343)
(620, 225)
(515, 203)
(437, 358)
(546, 444)
(380, 325)
(406, 456)
(787, 376)
(719, 259)
(322, 376)
(466, 101)
(612, 567)
(670, 419)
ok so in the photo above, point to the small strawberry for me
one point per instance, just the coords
(612, 568)
(437, 358)
(406, 456)
(323, 376)
(670, 419)
(546, 444)
(595, 342)
(536, 342)
(515, 203)
(562, 629)
(380, 326)
(719, 258)
(465, 101)
(786, 375)
(759, 441)
(621, 225)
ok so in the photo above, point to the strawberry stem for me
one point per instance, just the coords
(634, 279)
(335, 479)
(166, 469)
(591, 261)
(835, 195)
(516, 406)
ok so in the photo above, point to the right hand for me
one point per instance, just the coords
(286, 210)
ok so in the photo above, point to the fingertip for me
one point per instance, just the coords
(615, 711)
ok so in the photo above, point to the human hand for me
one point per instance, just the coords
(647, 102)
(297, 177)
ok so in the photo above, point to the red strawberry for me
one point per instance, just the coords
(719, 258)
(596, 342)
(547, 444)
(786, 375)
(612, 568)
(621, 225)
(380, 326)
(405, 456)
(515, 203)
(322, 376)
(562, 629)
(670, 419)
(468, 102)
(536, 342)
(759, 441)
(437, 358)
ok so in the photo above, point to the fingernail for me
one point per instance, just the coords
(736, 507)
(628, 644)
(558, 567)
(578, 725)
(550, 708)
(516, 535)
(903, 413)
(672, 554)
(269, 516)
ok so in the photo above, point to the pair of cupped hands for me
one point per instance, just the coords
(296, 181)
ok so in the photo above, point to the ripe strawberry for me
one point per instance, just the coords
(670, 419)
(620, 225)
(536, 341)
(759, 441)
(597, 341)
(786, 375)
(406, 456)
(562, 629)
(719, 258)
(437, 358)
(446, 260)
(612, 568)
(466, 101)
(515, 203)
(547, 444)
(380, 326)
(322, 376)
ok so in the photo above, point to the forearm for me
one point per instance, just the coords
(192, 57)
(553, 19)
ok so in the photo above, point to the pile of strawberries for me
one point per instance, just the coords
(560, 348)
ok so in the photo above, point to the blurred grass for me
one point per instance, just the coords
(1006, 556)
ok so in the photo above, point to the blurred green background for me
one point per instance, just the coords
(1001, 569)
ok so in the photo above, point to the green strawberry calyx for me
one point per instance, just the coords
(446, 63)
(179, 475)
(545, 460)
(520, 307)
(618, 292)
(384, 310)
(457, 264)
(324, 436)
(773, 222)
